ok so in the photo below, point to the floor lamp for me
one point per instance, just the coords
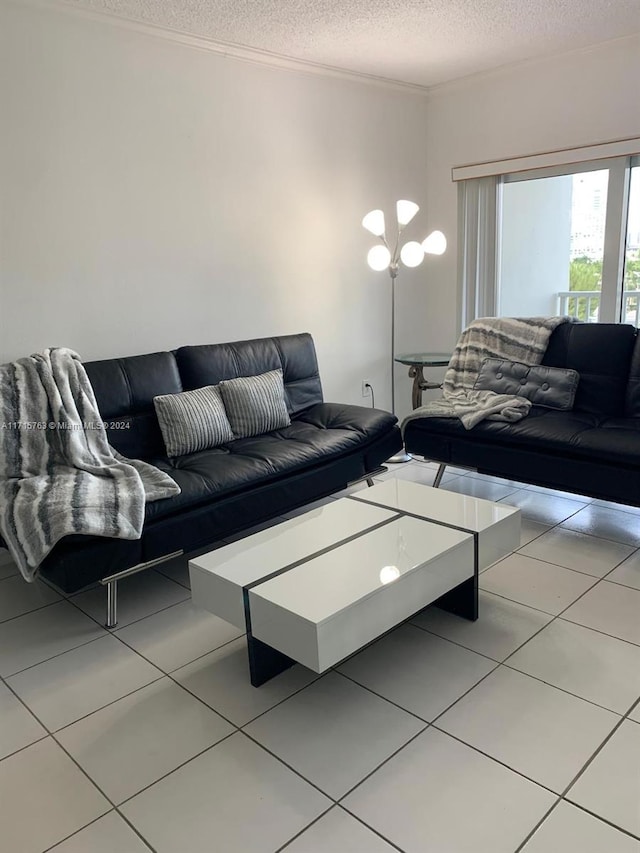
(383, 258)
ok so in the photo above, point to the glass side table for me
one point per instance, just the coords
(417, 361)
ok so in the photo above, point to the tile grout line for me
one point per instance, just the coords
(168, 674)
(95, 820)
(262, 713)
(522, 672)
(288, 766)
(560, 566)
(178, 767)
(29, 612)
(136, 830)
(107, 704)
(432, 724)
(537, 826)
(51, 734)
(385, 699)
(26, 746)
(341, 808)
(496, 760)
(106, 631)
(563, 795)
(560, 615)
(305, 828)
(53, 657)
(608, 821)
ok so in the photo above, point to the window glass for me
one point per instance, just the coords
(552, 245)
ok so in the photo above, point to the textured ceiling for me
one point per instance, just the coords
(423, 42)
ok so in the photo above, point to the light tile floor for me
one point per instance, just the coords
(519, 732)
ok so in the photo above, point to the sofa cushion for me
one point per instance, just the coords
(255, 404)
(124, 390)
(210, 364)
(601, 353)
(325, 432)
(192, 421)
(542, 429)
(550, 387)
(615, 440)
(632, 403)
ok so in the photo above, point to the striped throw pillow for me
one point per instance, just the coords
(192, 421)
(255, 404)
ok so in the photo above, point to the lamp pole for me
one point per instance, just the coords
(393, 272)
(381, 257)
(402, 455)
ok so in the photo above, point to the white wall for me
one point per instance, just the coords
(566, 101)
(155, 195)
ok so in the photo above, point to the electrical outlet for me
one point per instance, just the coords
(366, 388)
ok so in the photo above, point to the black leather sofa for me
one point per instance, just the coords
(594, 449)
(235, 486)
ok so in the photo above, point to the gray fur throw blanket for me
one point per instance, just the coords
(522, 339)
(58, 473)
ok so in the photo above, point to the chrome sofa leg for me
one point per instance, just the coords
(112, 604)
(369, 476)
(439, 473)
(111, 583)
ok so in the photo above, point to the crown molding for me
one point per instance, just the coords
(461, 83)
(228, 50)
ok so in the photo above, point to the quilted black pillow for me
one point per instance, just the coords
(551, 387)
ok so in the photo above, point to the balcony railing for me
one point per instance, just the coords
(585, 305)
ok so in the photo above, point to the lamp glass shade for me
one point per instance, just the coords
(435, 244)
(374, 222)
(379, 258)
(406, 210)
(412, 254)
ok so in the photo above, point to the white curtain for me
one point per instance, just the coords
(477, 227)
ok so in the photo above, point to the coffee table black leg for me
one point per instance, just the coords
(462, 600)
(265, 662)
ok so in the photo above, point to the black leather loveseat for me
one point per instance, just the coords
(237, 485)
(593, 449)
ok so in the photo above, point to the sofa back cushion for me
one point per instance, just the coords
(632, 409)
(124, 389)
(295, 355)
(601, 353)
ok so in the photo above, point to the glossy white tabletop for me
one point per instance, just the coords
(323, 586)
(438, 504)
(260, 554)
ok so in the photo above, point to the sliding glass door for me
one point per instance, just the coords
(631, 280)
(568, 242)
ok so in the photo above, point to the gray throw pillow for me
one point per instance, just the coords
(551, 387)
(193, 421)
(255, 404)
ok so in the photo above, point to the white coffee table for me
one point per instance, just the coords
(319, 587)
